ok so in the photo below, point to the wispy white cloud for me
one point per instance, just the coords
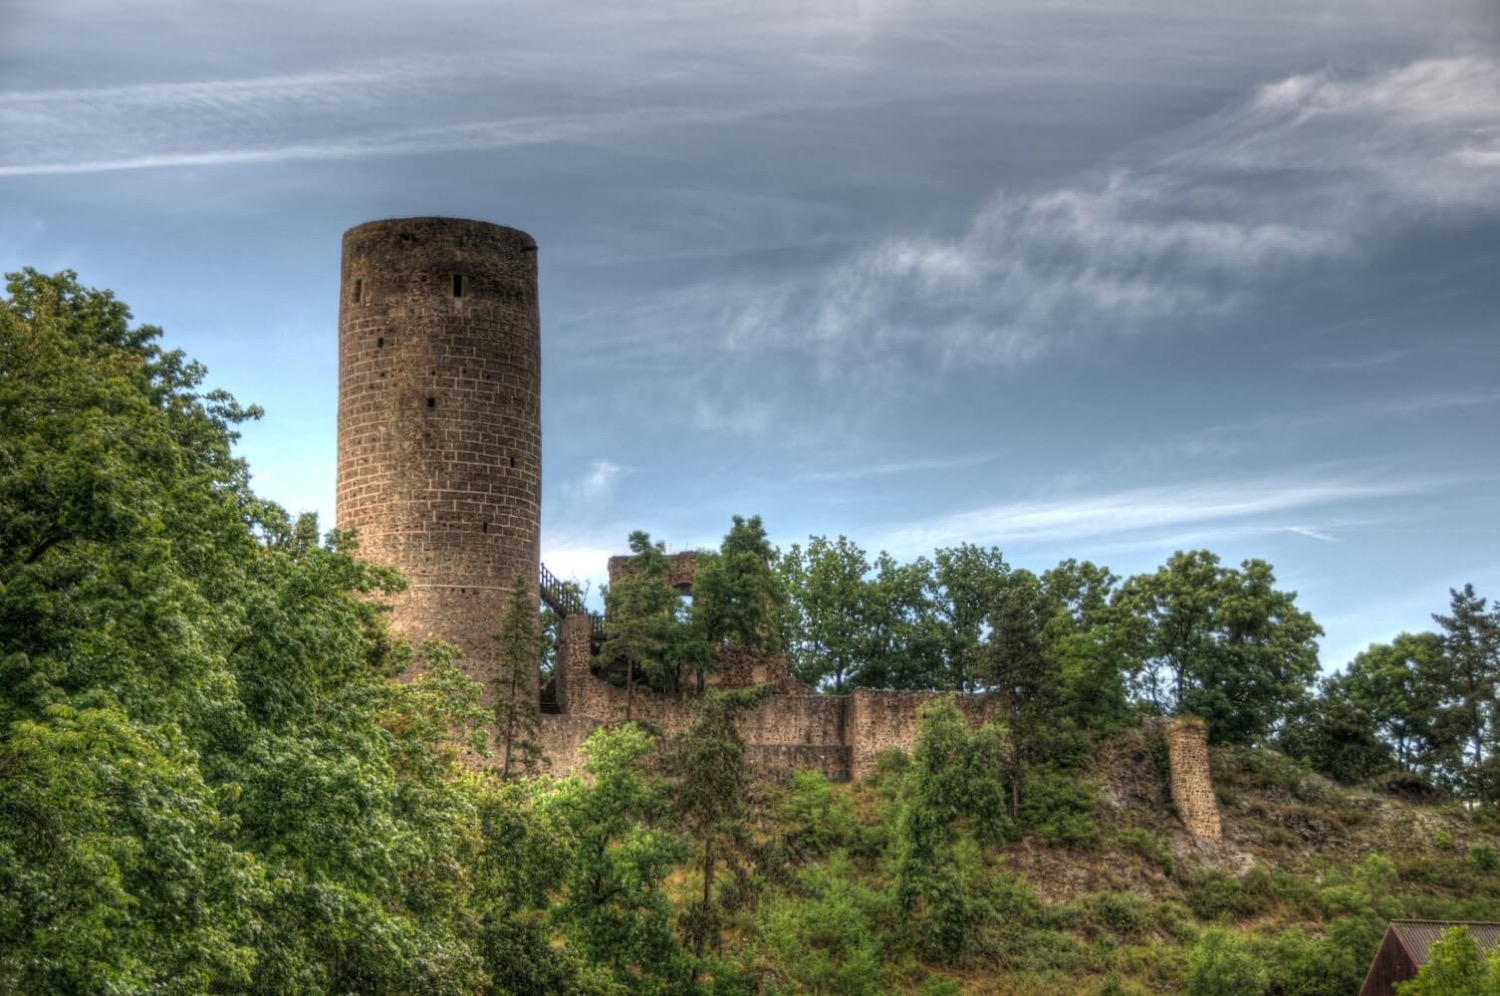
(1364, 361)
(1304, 171)
(1311, 533)
(896, 468)
(1232, 503)
(596, 485)
(220, 129)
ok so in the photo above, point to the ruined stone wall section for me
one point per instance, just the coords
(682, 569)
(743, 667)
(1192, 783)
(561, 739)
(439, 421)
(795, 721)
(877, 721)
(839, 735)
(783, 760)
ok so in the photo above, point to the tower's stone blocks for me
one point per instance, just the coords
(1192, 782)
(439, 421)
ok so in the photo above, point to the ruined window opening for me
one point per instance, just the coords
(432, 402)
(458, 285)
(359, 290)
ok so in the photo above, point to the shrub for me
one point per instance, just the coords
(1484, 857)
(1216, 896)
(818, 817)
(1146, 844)
(1060, 811)
(1122, 913)
(828, 942)
(1221, 965)
(1406, 785)
(1297, 965)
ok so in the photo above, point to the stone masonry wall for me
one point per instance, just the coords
(682, 569)
(839, 735)
(879, 720)
(561, 739)
(783, 760)
(439, 420)
(1192, 784)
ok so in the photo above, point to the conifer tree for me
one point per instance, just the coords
(519, 654)
(1471, 656)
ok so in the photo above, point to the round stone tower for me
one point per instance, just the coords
(439, 452)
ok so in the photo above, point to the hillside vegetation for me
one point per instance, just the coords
(211, 780)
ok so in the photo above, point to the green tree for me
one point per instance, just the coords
(523, 863)
(952, 799)
(711, 798)
(614, 905)
(1220, 643)
(828, 936)
(208, 777)
(966, 584)
(738, 597)
(1018, 667)
(641, 625)
(1090, 639)
(1399, 685)
(1471, 669)
(1336, 736)
(829, 597)
(903, 646)
(1221, 964)
(519, 653)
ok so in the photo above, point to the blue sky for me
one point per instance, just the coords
(1074, 279)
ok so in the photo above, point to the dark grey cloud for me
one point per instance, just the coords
(1081, 276)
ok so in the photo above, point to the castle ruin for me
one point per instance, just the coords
(439, 470)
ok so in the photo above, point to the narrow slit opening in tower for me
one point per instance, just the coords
(359, 290)
(380, 343)
(512, 461)
(432, 402)
(484, 527)
(458, 285)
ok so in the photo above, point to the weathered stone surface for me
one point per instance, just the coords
(439, 471)
(1192, 783)
(439, 421)
(682, 569)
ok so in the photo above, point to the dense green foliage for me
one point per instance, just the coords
(212, 780)
(206, 773)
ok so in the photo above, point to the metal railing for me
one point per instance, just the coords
(566, 600)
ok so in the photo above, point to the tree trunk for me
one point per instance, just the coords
(510, 724)
(629, 689)
(1015, 779)
(708, 892)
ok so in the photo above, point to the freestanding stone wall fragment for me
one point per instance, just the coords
(439, 422)
(1192, 783)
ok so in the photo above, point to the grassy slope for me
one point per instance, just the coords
(1308, 874)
